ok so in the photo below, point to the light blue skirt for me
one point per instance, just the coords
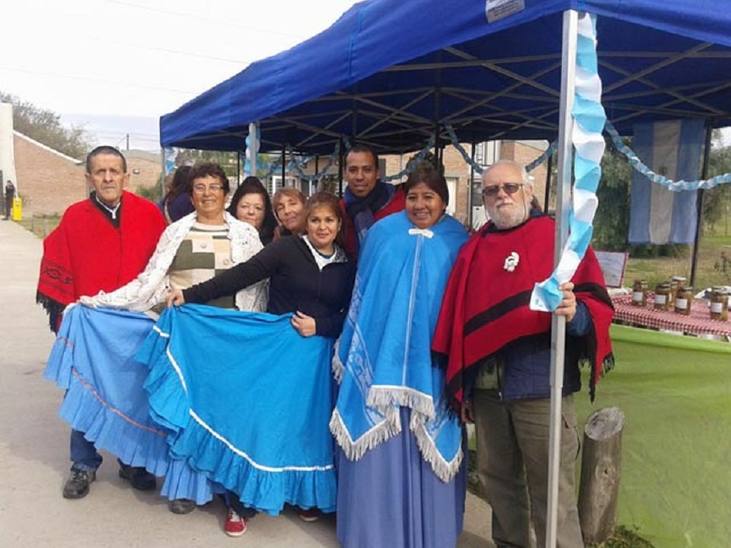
(391, 497)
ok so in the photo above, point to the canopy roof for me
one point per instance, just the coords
(389, 70)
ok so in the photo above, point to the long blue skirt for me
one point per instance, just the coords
(391, 497)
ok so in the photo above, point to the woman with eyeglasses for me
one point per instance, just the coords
(311, 278)
(401, 475)
(251, 204)
(193, 250)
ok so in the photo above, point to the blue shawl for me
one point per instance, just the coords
(92, 360)
(384, 353)
(249, 400)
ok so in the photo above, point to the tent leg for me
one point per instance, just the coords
(253, 146)
(699, 218)
(558, 323)
(284, 165)
(547, 197)
(341, 159)
(471, 185)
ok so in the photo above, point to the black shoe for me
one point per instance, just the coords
(77, 486)
(138, 477)
(181, 506)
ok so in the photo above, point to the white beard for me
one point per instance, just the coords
(509, 217)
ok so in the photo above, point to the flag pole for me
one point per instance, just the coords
(563, 209)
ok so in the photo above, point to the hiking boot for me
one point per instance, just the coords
(235, 525)
(77, 486)
(138, 477)
(181, 506)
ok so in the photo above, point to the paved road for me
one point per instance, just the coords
(34, 453)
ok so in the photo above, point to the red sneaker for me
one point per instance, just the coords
(313, 514)
(235, 525)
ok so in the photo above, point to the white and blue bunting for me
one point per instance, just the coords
(586, 137)
(675, 186)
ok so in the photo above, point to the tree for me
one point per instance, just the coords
(717, 201)
(45, 127)
(611, 222)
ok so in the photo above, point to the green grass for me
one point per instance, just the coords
(709, 265)
(40, 225)
(675, 393)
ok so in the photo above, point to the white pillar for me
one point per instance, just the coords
(7, 151)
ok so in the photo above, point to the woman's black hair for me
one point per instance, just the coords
(252, 185)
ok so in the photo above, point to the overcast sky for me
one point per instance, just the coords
(115, 66)
(97, 60)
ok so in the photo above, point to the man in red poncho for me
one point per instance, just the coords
(498, 356)
(102, 243)
(367, 199)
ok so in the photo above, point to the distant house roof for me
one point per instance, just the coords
(47, 148)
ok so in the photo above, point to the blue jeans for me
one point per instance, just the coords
(84, 455)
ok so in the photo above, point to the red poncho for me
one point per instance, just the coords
(86, 254)
(486, 306)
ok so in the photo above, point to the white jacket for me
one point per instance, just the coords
(152, 286)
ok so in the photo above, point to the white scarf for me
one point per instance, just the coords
(152, 286)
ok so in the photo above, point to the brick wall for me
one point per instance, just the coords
(144, 169)
(47, 181)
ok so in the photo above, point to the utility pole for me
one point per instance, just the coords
(128, 142)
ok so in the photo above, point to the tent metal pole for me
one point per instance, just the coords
(699, 202)
(472, 184)
(317, 171)
(238, 168)
(558, 323)
(341, 158)
(547, 197)
(253, 146)
(284, 164)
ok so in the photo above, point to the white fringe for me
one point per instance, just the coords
(336, 365)
(384, 398)
(380, 433)
(444, 470)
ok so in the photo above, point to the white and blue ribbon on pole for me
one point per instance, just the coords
(586, 137)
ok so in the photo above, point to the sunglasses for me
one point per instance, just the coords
(509, 188)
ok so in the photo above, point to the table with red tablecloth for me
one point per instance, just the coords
(698, 322)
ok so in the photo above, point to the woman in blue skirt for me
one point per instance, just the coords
(401, 475)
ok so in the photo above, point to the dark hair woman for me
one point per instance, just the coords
(176, 203)
(251, 204)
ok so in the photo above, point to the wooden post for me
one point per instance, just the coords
(601, 467)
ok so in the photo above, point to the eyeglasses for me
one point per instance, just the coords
(509, 188)
(201, 189)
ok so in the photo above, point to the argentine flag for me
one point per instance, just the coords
(674, 149)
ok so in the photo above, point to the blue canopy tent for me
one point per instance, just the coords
(392, 74)
(389, 72)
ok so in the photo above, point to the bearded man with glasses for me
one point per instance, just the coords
(498, 356)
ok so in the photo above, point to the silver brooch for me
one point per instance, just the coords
(511, 261)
